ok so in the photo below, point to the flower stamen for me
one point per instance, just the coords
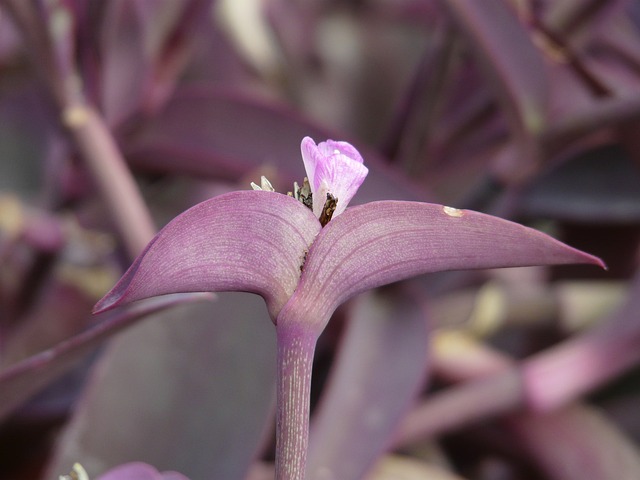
(264, 185)
(302, 194)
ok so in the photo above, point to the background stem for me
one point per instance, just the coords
(109, 171)
(296, 347)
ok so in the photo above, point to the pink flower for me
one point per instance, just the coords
(335, 171)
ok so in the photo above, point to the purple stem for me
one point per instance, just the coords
(109, 171)
(579, 365)
(296, 346)
(461, 405)
(542, 383)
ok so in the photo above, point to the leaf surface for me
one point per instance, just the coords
(383, 242)
(190, 391)
(246, 241)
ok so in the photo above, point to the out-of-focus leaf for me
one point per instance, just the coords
(261, 471)
(568, 93)
(600, 186)
(59, 313)
(578, 443)
(190, 391)
(513, 64)
(572, 443)
(619, 79)
(139, 471)
(23, 379)
(546, 381)
(591, 117)
(145, 45)
(577, 22)
(224, 134)
(9, 38)
(624, 38)
(24, 132)
(380, 368)
(622, 410)
(562, 373)
(214, 61)
(126, 60)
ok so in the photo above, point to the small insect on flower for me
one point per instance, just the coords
(328, 210)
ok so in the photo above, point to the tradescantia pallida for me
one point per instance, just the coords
(306, 253)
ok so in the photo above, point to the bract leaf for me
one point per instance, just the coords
(382, 242)
(247, 241)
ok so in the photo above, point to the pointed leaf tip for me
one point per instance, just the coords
(248, 241)
(383, 242)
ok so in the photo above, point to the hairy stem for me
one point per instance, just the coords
(295, 358)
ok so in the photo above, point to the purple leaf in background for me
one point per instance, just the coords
(157, 394)
(574, 442)
(509, 58)
(514, 68)
(143, 50)
(577, 442)
(126, 59)
(379, 369)
(21, 380)
(203, 132)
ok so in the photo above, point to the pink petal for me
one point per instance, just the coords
(330, 147)
(311, 157)
(343, 177)
(332, 167)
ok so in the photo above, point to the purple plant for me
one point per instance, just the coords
(305, 264)
(117, 116)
